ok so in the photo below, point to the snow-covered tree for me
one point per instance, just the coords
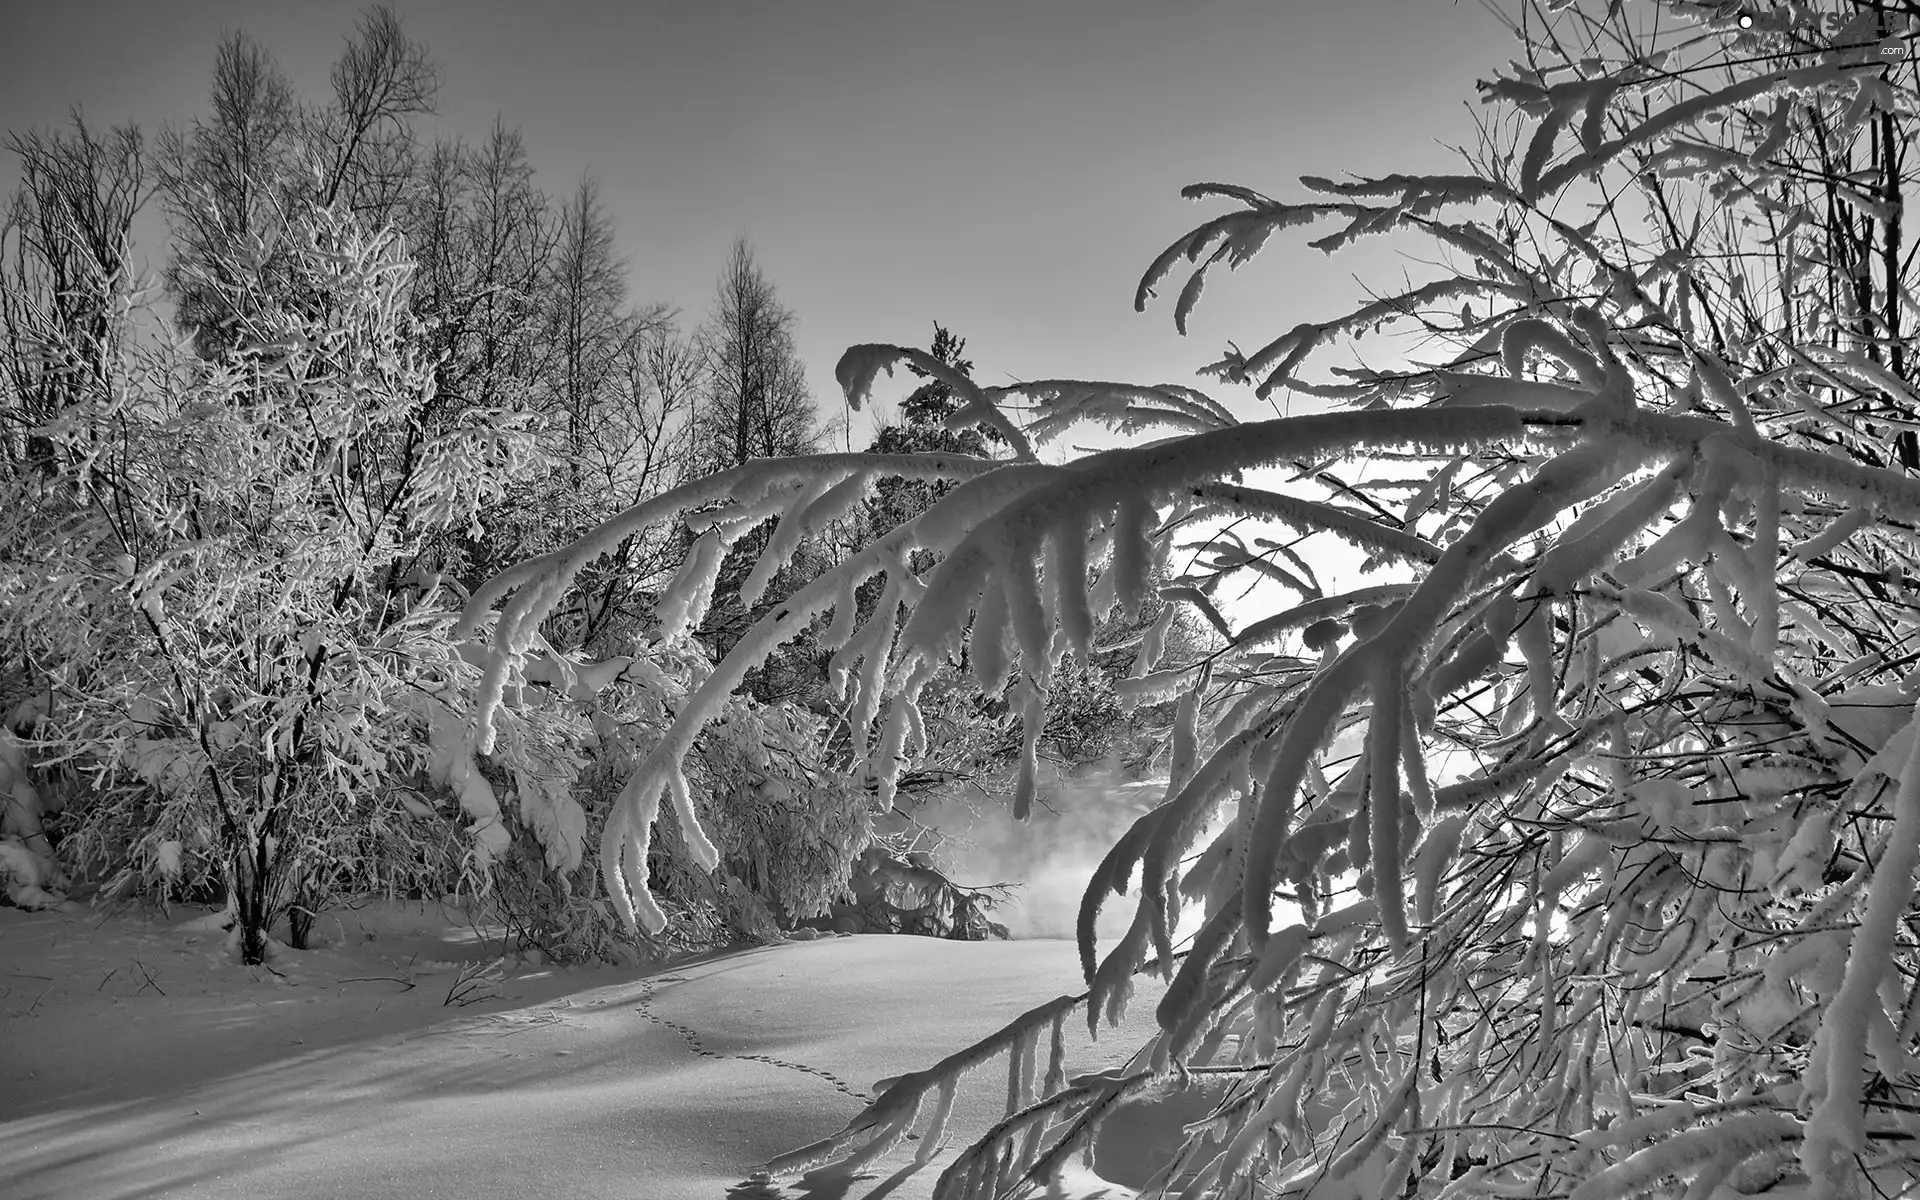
(499, 326)
(1575, 855)
(202, 589)
(922, 428)
(968, 733)
(228, 177)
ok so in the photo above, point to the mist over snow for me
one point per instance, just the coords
(1053, 853)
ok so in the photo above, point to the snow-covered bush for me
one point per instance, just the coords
(23, 808)
(29, 878)
(906, 891)
(786, 826)
(1575, 854)
(215, 583)
(783, 849)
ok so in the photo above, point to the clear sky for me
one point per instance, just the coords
(1006, 167)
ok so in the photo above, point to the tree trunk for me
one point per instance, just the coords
(252, 883)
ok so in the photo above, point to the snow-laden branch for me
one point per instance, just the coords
(1837, 1131)
(1061, 404)
(539, 583)
(1676, 115)
(624, 843)
(1524, 806)
(861, 365)
(1316, 516)
(1009, 539)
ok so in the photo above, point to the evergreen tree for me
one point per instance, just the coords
(923, 429)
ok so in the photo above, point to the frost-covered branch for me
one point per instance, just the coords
(1569, 858)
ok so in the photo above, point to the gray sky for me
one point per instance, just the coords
(1005, 168)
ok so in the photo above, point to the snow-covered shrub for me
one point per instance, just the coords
(212, 582)
(786, 826)
(584, 721)
(22, 807)
(1575, 853)
(29, 878)
(907, 891)
(786, 829)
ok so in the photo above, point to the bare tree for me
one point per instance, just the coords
(381, 81)
(672, 369)
(219, 176)
(646, 404)
(64, 250)
(230, 179)
(482, 235)
(657, 378)
(756, 404)
(588, 324)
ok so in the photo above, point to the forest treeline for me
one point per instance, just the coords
(244, 498)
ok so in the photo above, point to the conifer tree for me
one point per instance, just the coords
(922, 428)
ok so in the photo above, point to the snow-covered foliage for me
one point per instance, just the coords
(211, 581)
(790, 827)
(1579, 857)
(30, 878)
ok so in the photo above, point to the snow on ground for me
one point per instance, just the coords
(139, 1059)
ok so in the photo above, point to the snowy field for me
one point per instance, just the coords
(138, 1059)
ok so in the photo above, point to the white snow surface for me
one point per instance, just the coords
(139, 1058)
